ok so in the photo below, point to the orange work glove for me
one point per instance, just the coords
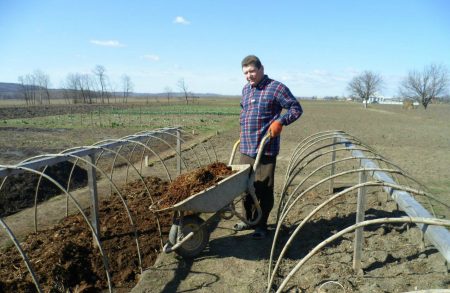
(275, 128)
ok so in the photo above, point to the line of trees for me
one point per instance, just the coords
(422, 86)
(35, 87)
(76, 88)
(184, 90)
(95, 87)
(88, 88)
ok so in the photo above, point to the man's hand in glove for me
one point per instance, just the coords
(275, 128)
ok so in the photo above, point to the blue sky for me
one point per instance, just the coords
(314, 47)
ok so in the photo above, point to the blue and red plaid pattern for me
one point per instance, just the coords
(260, 106)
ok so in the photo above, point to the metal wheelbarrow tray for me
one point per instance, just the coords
(219, 195)
(189, 234)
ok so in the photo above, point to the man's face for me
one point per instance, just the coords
(253, 74)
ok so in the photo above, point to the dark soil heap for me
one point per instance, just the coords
(193, 182)
(65, 258)
(18, 191)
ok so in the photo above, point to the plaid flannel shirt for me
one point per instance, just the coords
(260, 106)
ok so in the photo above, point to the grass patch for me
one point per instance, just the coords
(201, 117)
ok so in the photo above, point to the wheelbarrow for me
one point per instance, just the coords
(189, 233)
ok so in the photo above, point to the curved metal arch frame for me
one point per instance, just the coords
(308, 141)
(164, 131)
(190, 147)
(297, 162)
(288, 208)
(130, 156)
(146, 147)
(39, 184)
(123, 202)
(313, 136)
(143, 151)
(141, 178)
(206, 151)
(95, 236)
(201, 143)
(40, 179)
(427, 221)
(291, 177)
(111, 184)
(22, 254)
(319, 138)
(171, 147)
(94, 166)
(271, 275)
(284, 202)
(288, 179)
(284, 215)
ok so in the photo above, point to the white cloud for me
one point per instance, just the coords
(107, 43)
(151, 57)
(181, 20)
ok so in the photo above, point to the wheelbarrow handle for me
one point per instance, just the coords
(259, 154)
(251, 180)
(233, 152)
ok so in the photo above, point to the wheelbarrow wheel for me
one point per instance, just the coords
(195, 245)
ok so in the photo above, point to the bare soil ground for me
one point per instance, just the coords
(394, 257)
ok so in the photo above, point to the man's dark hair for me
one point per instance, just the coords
(251, 60)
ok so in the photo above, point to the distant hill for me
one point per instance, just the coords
(9, 90)
(9, 87)
(13, 91)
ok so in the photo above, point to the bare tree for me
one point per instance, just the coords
(35, 87)
(99, 72)
(42, 83)
(127, 87)
(28, 88)
(426, 85)
(79, 88)
(71, 87)
(86, 87)
(183, 86)
(365, 85)
(168, 91)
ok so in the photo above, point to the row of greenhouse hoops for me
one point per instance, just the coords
(169, 141)
(307, 161)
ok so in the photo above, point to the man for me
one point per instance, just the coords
(263, 99)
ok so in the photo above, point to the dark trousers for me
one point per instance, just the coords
(264, 182)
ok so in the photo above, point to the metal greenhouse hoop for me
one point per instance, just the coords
(427, 221)
(95, 236)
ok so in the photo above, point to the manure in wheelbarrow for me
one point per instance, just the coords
(193, 182)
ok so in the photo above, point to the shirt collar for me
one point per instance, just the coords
(264, 81)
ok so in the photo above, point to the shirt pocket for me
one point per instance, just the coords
(266, 106)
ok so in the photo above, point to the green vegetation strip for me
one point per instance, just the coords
(198, 117)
